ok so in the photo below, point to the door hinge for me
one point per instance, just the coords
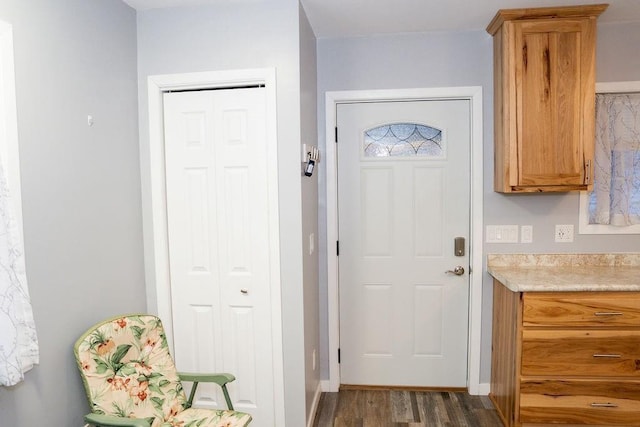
(336, 136)
(338, 355)
(337, 248)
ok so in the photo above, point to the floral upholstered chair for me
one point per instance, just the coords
(131, 380)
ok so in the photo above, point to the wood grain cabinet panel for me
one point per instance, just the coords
(575, 309)
(567, 352)
(568, 358)
(544, 100)
(580, 402)
(505, 369)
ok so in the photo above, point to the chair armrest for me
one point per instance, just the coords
(113, 421)
(220, 379)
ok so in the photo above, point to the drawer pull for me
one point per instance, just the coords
(607, 313)
(608, 356)
(603, 405)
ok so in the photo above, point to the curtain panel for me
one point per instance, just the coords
(615, 199)
(19, 350)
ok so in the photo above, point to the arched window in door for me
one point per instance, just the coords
(404, 140)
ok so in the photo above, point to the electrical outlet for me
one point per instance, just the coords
(526, 234)
(564, 233)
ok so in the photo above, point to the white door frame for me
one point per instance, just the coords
(155, 207)
(474, 95)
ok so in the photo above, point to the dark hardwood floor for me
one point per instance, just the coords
(401, 408)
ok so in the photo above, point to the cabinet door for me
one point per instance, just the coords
(577, 401)
(581, 309)
(581, 352)
(549, 59)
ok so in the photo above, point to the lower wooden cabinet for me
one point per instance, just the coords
(588, 352)
(595, 402)
(566, 357)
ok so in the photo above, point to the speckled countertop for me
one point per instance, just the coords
(566, 272)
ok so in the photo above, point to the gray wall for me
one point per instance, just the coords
(241, 35)
(80, 188)
(309, 132)
(465, 59)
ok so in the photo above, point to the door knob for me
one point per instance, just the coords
(458, 271)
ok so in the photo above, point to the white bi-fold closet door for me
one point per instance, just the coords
(218, 235)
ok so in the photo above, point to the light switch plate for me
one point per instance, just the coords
(526, 234)
(502, 234)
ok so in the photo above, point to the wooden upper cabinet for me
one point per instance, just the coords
(544, 98)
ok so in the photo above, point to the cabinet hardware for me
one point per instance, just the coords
(608, 356)
(603, 405)
(607, 313)
(587, 172)
(244, 291)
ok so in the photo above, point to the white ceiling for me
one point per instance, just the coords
(344, 18)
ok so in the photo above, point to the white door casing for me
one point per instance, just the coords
(474, 96)
(403, 320)
(155, 213)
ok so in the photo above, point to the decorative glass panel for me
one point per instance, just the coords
(403, 140)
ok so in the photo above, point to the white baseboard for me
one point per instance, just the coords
(484, 389)
(314, 405)
(325, 386)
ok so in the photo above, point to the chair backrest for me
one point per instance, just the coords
(127, 370)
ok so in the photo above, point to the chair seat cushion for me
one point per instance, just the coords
(208, 418)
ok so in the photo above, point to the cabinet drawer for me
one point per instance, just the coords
(581, 352)
(586, 309)
(580, 402)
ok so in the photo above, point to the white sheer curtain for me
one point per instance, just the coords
(615, 199)
(18, 341)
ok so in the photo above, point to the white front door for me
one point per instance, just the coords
(218, 231)
(403, 197)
